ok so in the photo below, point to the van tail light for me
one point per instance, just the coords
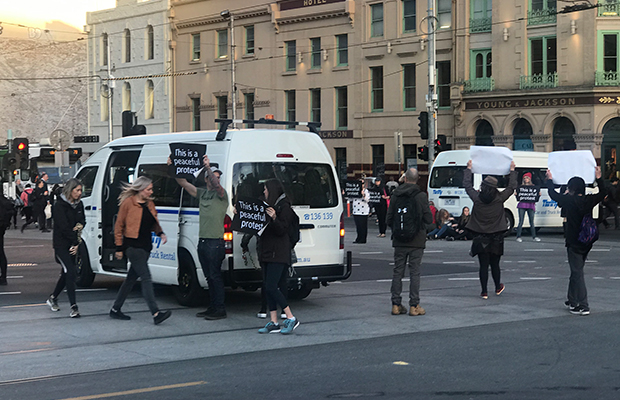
(341, 231)
(228, 235)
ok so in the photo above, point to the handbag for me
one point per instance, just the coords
(48, 211)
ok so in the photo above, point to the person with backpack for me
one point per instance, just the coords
(408, 216)
(7, 212)
(275, 246)
(488, 224)
(580, 233)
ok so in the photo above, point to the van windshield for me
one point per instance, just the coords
(451, 176)
(305, 184)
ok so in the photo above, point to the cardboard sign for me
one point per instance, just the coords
(566, 164)
(490, 160)
(187, 159)
(251, 216)
(353, 189)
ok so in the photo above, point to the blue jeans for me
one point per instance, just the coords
(211, 253)
(530, 216)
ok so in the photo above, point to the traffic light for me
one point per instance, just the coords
(423, 124)
(9, 161)
(20, 148)
(423, 153)
(440, 144)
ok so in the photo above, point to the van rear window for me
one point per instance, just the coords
(305, 184)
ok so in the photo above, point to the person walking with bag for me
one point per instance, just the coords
(527, 196)
(408, 216)
(488, 224)
(137, 218)
(577, 205)
(275, 256)
(69, 220)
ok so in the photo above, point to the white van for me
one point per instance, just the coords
(445, 186)
(247, 158)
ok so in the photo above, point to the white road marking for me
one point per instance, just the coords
(14, 277)
(614, 277)
(371, 252)
(355, 265)
(527, 262)
(458, 262)
(23, 265)
(16, 247)
(600, 250)
(90, 290)
(433, 251)
(463, 279)
(537, 249)
(1, 293)
(532, 278)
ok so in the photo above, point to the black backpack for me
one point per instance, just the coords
(293, 230)
(407, 220)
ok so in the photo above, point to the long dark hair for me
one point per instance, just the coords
(275, 189)
(487, 193)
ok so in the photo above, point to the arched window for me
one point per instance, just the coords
(127, 45)
(484, 134)
(522, 135)
(150, 43)
(611, 143)
(149, 100)
(104, 49)
(563, 131)
(103, 100)
(126, 96)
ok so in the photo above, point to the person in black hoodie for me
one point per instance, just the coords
(488, 224)
(576, 204)
(275, 256)
(69, 221)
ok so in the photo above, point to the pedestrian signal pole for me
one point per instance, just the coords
(431, 98)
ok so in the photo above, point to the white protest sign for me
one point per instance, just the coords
(566, 164)
(490, 160)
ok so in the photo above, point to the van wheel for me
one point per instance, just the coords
(85, 275)
(188, 292)
(299, 293)
(510, 221)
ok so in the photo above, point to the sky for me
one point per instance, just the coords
(36, 13)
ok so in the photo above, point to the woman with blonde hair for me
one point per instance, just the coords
(137, 218)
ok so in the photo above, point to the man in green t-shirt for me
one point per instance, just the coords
(213, 203)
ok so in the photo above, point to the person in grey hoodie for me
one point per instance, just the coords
(409, 252)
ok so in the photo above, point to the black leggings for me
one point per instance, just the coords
(485, 260)
(282, 285)
(68, 274)
(273, 274)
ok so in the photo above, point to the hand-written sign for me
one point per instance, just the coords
(186, 159)
(251, 216)
(353, 189)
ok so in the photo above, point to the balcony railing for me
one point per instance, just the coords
(539, 17)
(539, 81)
(607, 78)
(480, 25)
(479, 85)
(609, 9)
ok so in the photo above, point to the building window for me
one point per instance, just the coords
(443, 83)
(543, 55)
(105, 109)
(150, 43)
(522, 135)
(315, 105)
(342, 120)
(444, 13)
(127, 45)
(376, 76)
(484, 134)
(378, 159)
(291, 53)
(222, 107)
(196, 113)
(607, 68)
(222, 43)
(290, 106)
(315, 59)
(149, 100)
(249, 108)
(196, 47)
(480, 20)
(341, 162)
(126, 96)
(342, 42)
(563, 135)
(104, 49)
(249, 39)
(409, 18)
(409, 86)
(376, 20)
(542, 12)
(610, 52)
(481, 64)
(410, 155)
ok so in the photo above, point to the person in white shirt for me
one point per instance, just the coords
(361, 209)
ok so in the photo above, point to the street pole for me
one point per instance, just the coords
(431, 98)
(232, 68)
(110, 91)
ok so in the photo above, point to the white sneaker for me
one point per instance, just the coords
(519, 240)
(261, 315)
(537, 239)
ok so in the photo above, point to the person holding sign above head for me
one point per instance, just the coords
(578, 207)
(361, 209)
(213, 203)
(527, 196)
(488, 224)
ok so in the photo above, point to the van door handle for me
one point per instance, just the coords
(306, 226)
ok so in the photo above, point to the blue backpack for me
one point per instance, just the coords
(588, 230)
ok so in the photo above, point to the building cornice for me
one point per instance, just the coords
(216, 19)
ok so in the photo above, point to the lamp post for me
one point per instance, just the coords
(226, 14)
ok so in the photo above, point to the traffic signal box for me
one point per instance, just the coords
(20, 149)
(423, 124)
(423, 153)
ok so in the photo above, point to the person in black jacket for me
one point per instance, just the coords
(275, 256)
(576, 204)
(7, 213)
(69, 221)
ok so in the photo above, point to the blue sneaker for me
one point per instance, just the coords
(270, 328)
(289, 326)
